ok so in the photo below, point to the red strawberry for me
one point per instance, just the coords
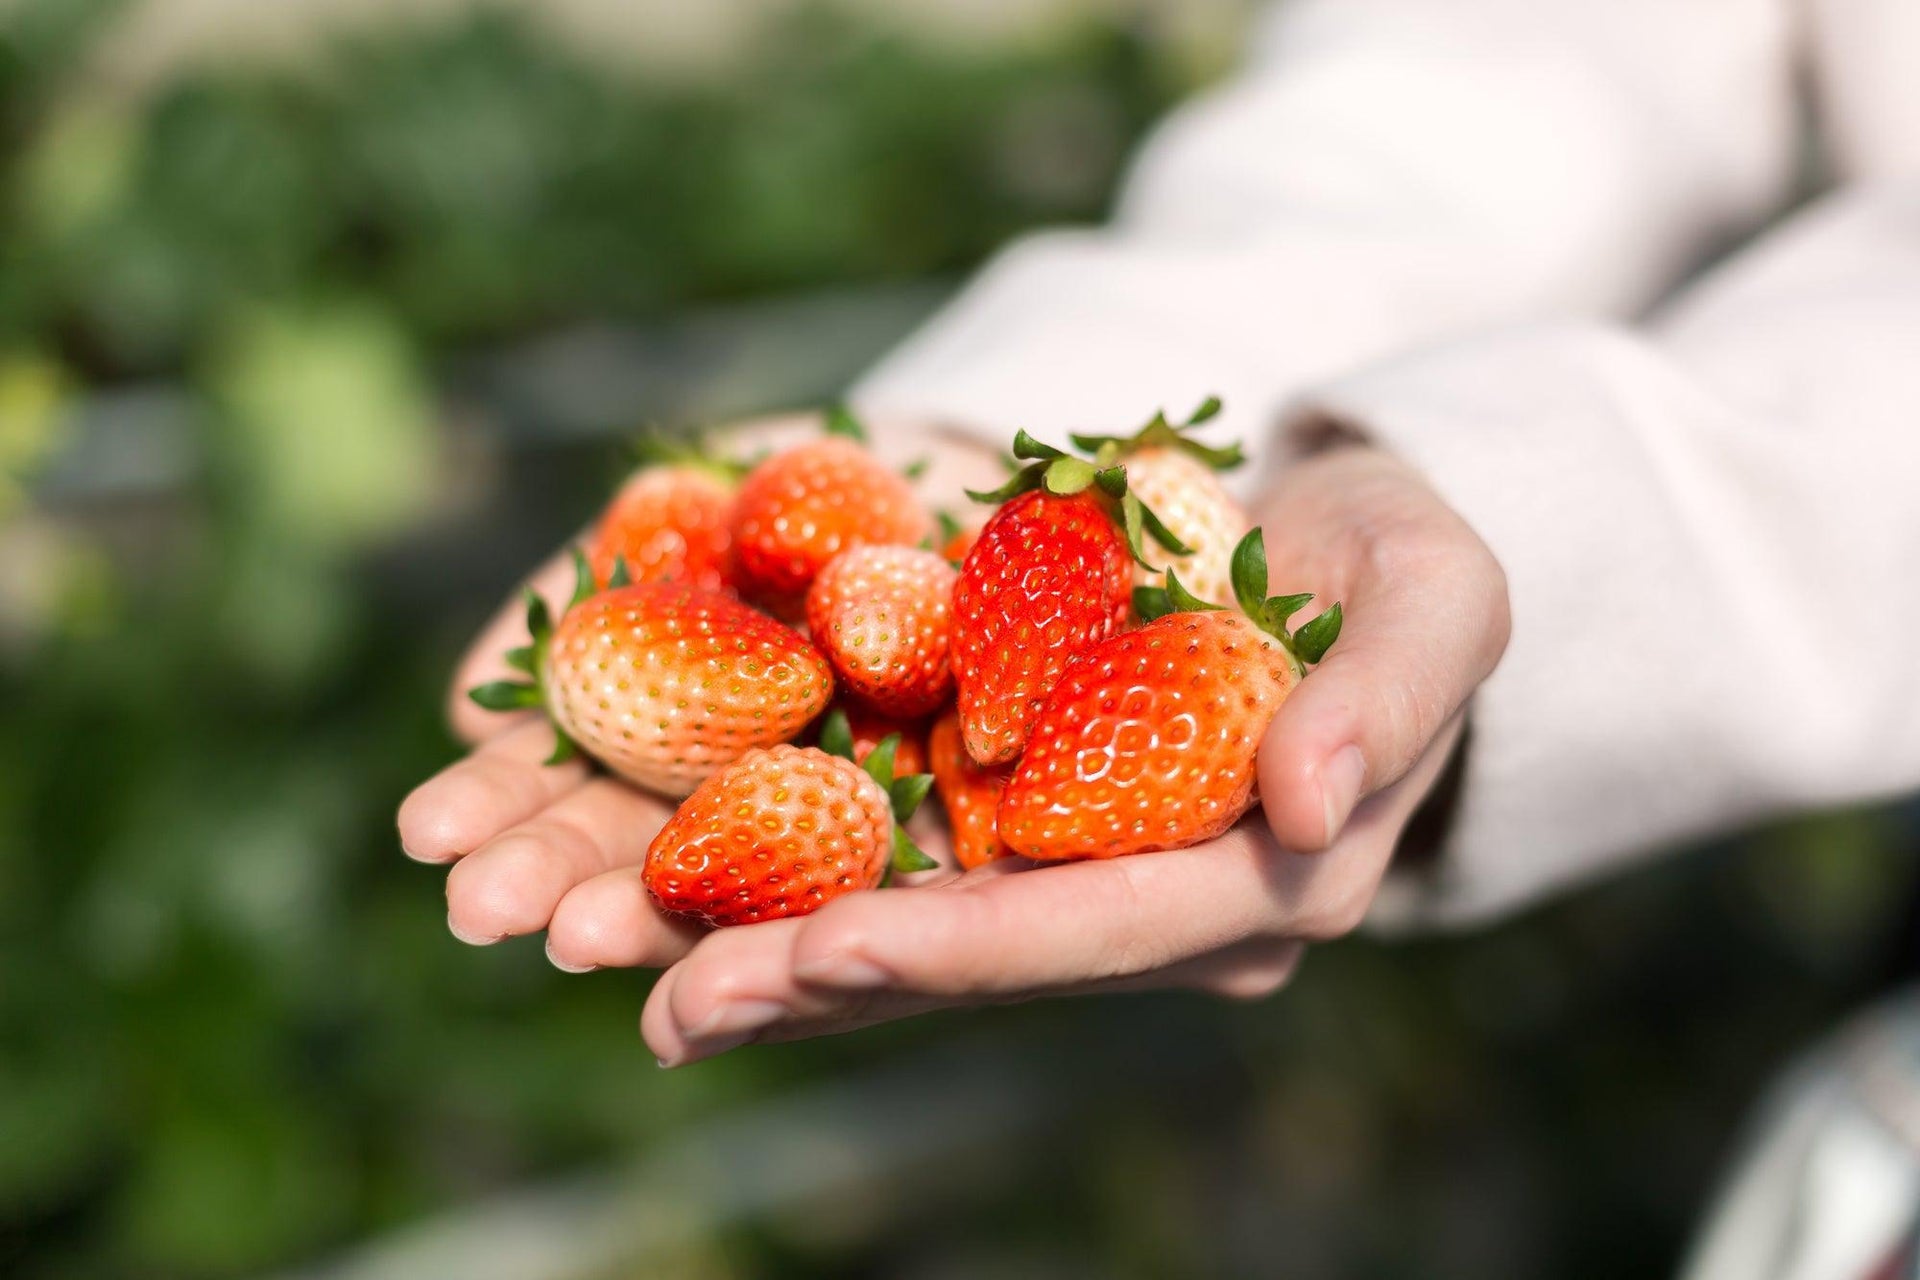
(970, 792)
(783, 831)
(870, 729)
(670, 523)
(1177, 476)
(1148, 741)
(799, 509)
(1049, 578)
(662, 682)
(884, 618)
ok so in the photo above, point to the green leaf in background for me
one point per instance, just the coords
(329, 426)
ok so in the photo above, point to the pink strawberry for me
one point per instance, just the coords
(1178, 477)
(884, 618)
(1149, 739)
(801, 508)
(784, 830)
(663, 683)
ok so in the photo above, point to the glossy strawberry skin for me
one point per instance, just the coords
(799, 509)
(1148, 741)
(779, 832)
(884, 618)
(869, 729)
(664, 683)
(1188, 497)
(669, 523)
(1049, 578)
(970, 792)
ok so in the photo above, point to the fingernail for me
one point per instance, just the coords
(739, 1018)
(1340, 781)
(840, 970)
(471, 939)
(563, 966)
(701, 1050)
(421, 857)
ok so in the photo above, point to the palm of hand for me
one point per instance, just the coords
(1343, 767)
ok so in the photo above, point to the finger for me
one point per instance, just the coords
(995, 936)
(1425, 622)
(486, 657)
(722, 994)
(611, 922)
(1252, 970)
(511, 885)
(1227, 917)
(503, 782)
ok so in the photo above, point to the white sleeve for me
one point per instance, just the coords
(1380, 173)
(1711, 531)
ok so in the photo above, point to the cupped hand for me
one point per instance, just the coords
(1343, 768)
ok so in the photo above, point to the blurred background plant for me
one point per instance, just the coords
(304, 354)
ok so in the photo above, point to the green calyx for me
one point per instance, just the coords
(656, 448)
(531, 659)
(1063, 475)
(838, 420)
(1304, 645)
(1160, 433)
(903, 794)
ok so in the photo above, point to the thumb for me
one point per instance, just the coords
(1425, 624)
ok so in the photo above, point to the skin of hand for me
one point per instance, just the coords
(1343, 767)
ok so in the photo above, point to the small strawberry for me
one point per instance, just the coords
(1148, 741)
(783, 831)
(799, 509)
(956, 539)
(870, 729)
(884, 618)
(1050, 576)
(663, 682)
(970, 792)
(671, 522)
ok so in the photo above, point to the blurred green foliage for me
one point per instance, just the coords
(233, 1030)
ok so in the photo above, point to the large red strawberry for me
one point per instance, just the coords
(664, 683)
(884, 618)
(785, 830)
(801, 508)
(1177, 476)
(970, 792)
(1149, 739)
(1050, 576)
(671, 522)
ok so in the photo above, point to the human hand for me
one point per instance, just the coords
(1343, 768)
(531, 846)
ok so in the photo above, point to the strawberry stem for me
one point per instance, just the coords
(1248, 572)
(904, 794)
(1066, 476)
(523, 695)
(839, 421)
(1162, 434)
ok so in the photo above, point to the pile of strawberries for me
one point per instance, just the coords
(1087, 675)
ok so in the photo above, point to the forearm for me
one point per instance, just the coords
(1382, 173)
(1713, 547)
